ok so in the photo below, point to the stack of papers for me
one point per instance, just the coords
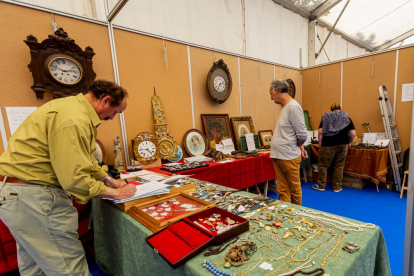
(146, 190)
(144, 174)
(200, 158)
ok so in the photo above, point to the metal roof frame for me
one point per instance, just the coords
(395, 40)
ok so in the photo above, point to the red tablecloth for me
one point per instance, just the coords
(238, 174)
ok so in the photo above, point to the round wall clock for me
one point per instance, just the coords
(292, 88)
(219, 82)
(63, 69)
(146, 148)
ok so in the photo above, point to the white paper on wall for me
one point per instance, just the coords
(407, 92)
(16, 116)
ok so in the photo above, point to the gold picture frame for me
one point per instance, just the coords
(195, 143)
(241, 126)
(265, 137)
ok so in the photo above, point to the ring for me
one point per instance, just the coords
(352, 246)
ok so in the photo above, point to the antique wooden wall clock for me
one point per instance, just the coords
(292, 88)
(59, 65)
(219, 82)
(146, 148)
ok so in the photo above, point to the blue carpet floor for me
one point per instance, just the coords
(384, 209)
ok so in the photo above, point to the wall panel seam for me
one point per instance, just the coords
(191, 84)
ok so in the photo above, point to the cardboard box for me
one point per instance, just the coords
(354, 182)
(389, 185)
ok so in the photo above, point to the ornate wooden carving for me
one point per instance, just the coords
(58, 44)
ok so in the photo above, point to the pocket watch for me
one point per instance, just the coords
(146, 148)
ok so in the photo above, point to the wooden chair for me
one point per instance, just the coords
(404, 186)
(406, 161)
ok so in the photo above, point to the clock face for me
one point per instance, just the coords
(65, 70)
(146, 149)
(219, 84)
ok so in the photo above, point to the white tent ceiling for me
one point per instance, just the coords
(373, 22)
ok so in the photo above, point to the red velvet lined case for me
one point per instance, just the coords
(183, 240)
(180, 242)
(241, 227)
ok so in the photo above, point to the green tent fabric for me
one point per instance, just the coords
(307, 121)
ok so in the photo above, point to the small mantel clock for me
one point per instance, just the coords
(59, 65)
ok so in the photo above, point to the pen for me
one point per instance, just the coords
(126, 181)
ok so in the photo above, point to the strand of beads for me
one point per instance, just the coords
(215, 271)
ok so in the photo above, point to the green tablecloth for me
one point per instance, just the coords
(121, 249)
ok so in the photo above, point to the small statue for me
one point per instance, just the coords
(367, 126)
(119, 162)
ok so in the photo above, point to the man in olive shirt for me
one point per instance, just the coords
(50, 159)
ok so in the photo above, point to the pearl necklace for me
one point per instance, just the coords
(327, 218)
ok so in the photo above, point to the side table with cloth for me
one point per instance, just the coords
(121, 249)
(238, 174)
(371, 164)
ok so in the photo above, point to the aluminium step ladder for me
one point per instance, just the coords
(390, 127)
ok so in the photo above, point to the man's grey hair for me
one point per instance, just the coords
(281, 85)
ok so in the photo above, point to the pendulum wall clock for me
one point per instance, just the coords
(59, 65)
(167, 145)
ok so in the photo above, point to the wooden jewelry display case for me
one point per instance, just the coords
(125, 206)
(158, 214)
(188, 237)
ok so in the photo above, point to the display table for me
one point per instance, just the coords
(121, 249)
(238, 174)
(370, 164)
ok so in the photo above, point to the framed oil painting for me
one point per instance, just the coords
(195, 143)
(217, 128)
(241, 127)
(265, 137)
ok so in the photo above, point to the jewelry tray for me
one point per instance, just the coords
(173, 169)
(183, 240)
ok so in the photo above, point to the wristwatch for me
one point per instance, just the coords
(106, 180)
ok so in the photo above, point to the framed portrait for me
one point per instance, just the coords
(217, 128)
(195, 143)
(241, 127)
(265, 137)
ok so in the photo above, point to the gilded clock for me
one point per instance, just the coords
(219, 82)
(146, 148)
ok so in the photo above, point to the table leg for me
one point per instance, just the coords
(257, 189)
(247, 189)
(266, 187)
(305, 177)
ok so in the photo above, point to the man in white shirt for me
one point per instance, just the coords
(287, 143)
